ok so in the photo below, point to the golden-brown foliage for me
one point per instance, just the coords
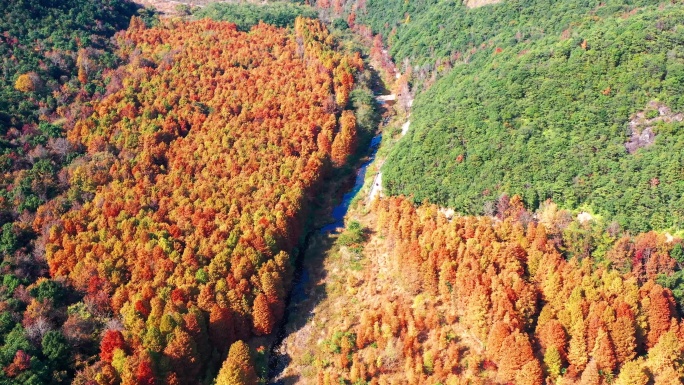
(212, 137)
(517, 309)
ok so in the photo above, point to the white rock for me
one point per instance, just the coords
(405, 128)
(448, 213)
(386, 98)
(376, 189)
(584, 217)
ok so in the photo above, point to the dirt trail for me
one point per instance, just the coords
(376, 188)
(168, 7)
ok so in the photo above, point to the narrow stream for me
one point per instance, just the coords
(277, 362)
(340, 211)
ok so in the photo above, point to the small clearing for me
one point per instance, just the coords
(448, 213)
(479, 3)
(405, 128)
(641, 125)
(584, 217)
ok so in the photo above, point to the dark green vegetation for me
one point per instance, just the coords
(545, 114)
(44, 37)
(427, 30)
(246, 16)
(352, 235)
(675, 281)
(53, 53)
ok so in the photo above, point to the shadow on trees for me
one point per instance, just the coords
(289, 380)
(308, 290)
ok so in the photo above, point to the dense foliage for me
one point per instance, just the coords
(571, 117)
(161, 198)
(477, 300)
(201, 160)
(155, 184)
(278, 13)
(42, 38)
(431, 33)
(53, 52)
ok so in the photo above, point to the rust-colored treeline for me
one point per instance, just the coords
(201, 159)
(494, 300)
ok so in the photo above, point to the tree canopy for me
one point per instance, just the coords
(560, 119)
(245, 16)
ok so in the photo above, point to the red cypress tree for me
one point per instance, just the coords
(344, 143)
(604, 353)
(144, 373)
(182, 352)
(238, 368)
(111, 340)
(515, 352)
(659, 314)
(262, 315)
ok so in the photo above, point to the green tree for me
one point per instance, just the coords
(55, 347)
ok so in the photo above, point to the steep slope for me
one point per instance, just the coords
(584, 110)
(431, 33)
(573, 101)
(551, 119)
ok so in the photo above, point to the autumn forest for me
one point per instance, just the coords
(237, 193)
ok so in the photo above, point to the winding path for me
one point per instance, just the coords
(376, 187)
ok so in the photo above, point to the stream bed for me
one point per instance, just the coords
(340, 211)
(277, 360)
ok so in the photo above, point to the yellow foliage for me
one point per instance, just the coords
(25, 83)
(632, 373)
(553, 362)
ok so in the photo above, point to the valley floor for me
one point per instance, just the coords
(341, 282)
(344, 283)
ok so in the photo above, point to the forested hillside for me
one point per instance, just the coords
(201, 160)
(431, 33)
(571, 105)
(574, 101)
(164, 180)
(417, 298)
(279, 14)
(53, 53)
(590, 120)
(522, 311)
(154, 186)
